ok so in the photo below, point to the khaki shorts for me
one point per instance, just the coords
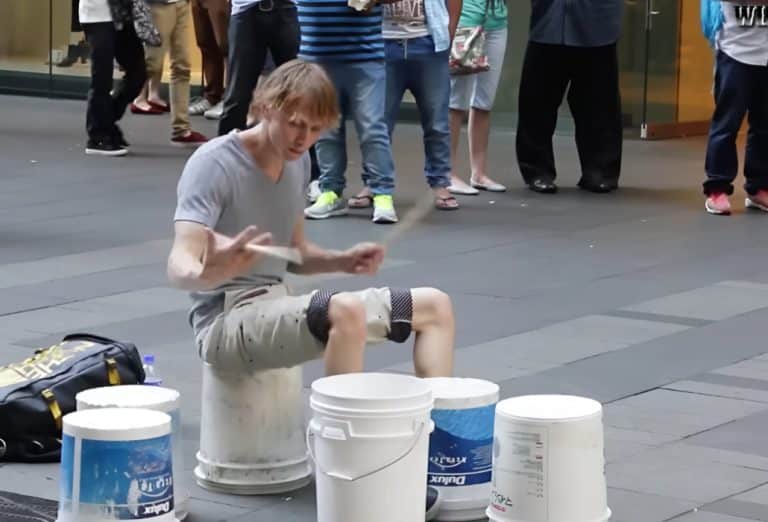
(263, 328)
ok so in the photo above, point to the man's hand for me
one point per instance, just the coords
(226, 258)
(363, 258)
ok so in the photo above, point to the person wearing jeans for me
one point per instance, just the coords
(741, 88)
(211, 21)
(255, 27)
(172, 18)
(350, 46)
(417, 38)
(107, 106)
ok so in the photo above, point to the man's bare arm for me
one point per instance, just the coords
(315, 259)
(454, 13)
(185, 262)
(202, 259)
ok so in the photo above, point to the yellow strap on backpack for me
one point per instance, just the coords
(53, 407)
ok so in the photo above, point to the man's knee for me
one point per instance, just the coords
(346, 314)
(431, 305)
(343, 312)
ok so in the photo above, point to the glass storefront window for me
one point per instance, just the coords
(43, 49)
(666, 72)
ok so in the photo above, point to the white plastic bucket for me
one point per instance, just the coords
(116, 464)
(154, 398)
(369, 436)
(461, 446)
(549, 463)
(252, 432)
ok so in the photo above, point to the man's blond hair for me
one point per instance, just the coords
(297, 87)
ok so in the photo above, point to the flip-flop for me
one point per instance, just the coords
(360, 201)
(442, 203)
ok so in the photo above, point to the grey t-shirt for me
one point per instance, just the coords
(222, 188)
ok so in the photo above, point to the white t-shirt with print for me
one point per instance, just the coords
(404, 20)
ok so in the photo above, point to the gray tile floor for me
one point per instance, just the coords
(637, 299)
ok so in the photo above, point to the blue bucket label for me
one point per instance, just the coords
(461, 447)
(127, 480)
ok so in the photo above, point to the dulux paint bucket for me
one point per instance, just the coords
(369, 437)
(154, 398)
(461, 446)
(116, 464)
(252, 432)
(549, 463)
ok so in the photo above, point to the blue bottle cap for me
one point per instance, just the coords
(149, 359)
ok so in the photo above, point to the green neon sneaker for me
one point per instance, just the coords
(328, 204)
(384, 209)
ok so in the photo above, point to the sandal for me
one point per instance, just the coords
(446, 203)
(361, 201)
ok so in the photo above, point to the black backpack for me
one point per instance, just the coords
(36, 393)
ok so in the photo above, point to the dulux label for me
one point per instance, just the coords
(119, 480)
(461, 447)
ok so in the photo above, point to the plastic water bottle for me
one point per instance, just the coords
(151, 376)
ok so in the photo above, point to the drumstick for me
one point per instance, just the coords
(414, 215)
(289, 254)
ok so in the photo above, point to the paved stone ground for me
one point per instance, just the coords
(638, 299)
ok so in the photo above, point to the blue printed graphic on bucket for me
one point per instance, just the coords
(67, 469)
(132, 479)
(461, 447)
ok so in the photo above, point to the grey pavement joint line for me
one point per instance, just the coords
(659, 318)
(728, 380)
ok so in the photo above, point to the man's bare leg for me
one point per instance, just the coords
(347, 335)
(435, 329)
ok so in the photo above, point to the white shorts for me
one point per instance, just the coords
(479, 90)
(265, 327)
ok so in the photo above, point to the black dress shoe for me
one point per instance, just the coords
(600, 187)
(543, 186)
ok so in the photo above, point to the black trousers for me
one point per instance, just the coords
(75, 19)
(591, 77)
(270, 25)
(740, 90)
(107, 45)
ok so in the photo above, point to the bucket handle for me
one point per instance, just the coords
(311, 447)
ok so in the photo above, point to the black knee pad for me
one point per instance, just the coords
(317, 314)
(400, 321)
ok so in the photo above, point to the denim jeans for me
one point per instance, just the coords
(361, 88)
(414, 65)
(273, 26)
(740, 89)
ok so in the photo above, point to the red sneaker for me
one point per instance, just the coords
(718, 204)
(190, 139)
(758, 201)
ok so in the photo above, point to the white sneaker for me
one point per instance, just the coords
(198, 106)
(214, 113)
(313, 191)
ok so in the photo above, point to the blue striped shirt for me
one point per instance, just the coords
(333, 31)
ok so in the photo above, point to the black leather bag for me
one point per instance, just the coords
(36, 393)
